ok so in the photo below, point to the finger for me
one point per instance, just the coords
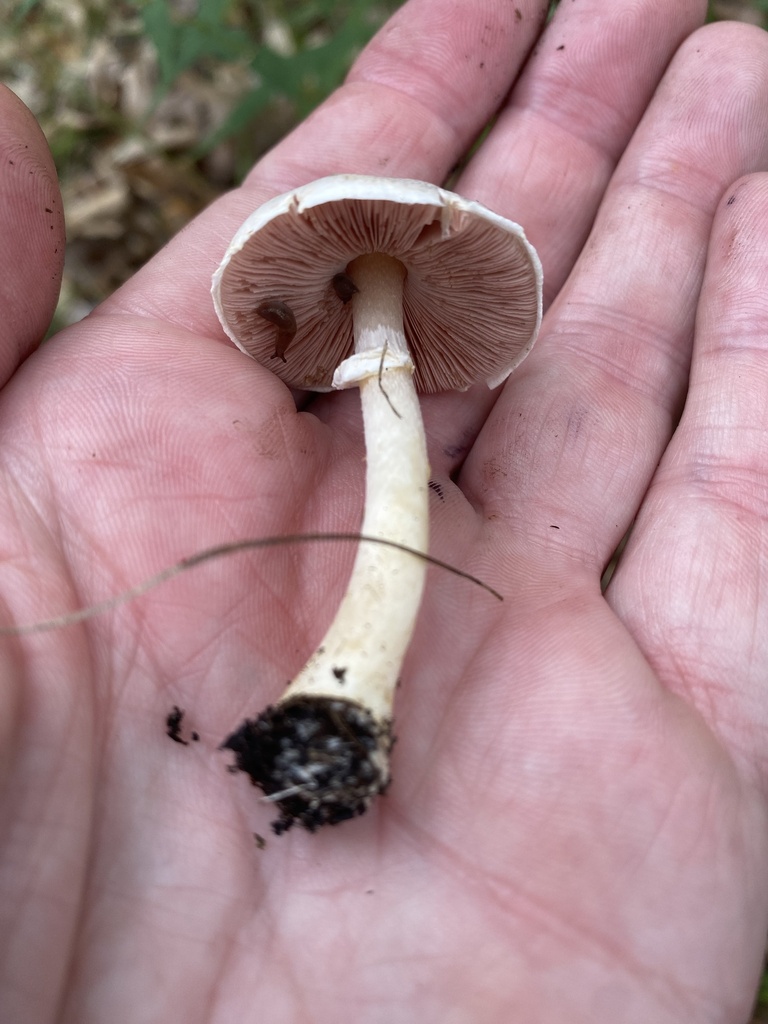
(395, 116)
(417, 96)
(32, 232)
(691, 584)
(549, 158)
(572, 443)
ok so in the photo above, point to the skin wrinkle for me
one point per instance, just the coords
(651, 189)
(673, 805)
(675, 652)
(543, 111)
(653, 269)
(447, 132)
(376, 991)
(511, 901)
(96, 928)
(74, 894)
(715, 478)
(351, 156)
(416, 52)
(46, 533)
(297, 995)
(239, 942)
(561, 96)
(328, 581)
(686, 93)
(718, 75)
(536, 467)
(208, 999)
(296, 471)
(485, 180)
(742, 334)
(577, 156)
(17, 505)
(511, 178)
(665, 178)
(574, 336)
(116, 586)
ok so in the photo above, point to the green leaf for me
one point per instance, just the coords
(25, 7)
(237, 121)
(182, 43)
(162, 31)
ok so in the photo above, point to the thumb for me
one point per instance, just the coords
(31, 233)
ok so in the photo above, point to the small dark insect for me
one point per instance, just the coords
(279, 313)
(173, 725)
(339, 674)
(261, 842)
(344, 287)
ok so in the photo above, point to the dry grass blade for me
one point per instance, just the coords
(219, 551)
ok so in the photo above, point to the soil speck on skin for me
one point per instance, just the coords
(173, 722)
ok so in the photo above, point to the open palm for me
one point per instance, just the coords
(576, 829)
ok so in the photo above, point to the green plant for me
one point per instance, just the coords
(716, 11)
(182, 42)
(319, 40)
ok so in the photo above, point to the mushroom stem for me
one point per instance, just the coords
(368, 638)
(327, 741)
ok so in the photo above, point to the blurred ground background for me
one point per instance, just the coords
(154, 107)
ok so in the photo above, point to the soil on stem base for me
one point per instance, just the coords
(320, 760)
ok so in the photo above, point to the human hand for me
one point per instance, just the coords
(576, 828)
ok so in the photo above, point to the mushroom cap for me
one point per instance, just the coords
(472, 295)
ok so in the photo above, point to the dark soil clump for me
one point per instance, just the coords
(321, 760)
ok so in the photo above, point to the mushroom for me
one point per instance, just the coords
(391, 286)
